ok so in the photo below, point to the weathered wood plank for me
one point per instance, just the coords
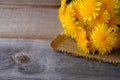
(28, 22)
(29, 19)
(46, 64)
(29, 2)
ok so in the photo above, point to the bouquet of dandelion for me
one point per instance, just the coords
(93, 25)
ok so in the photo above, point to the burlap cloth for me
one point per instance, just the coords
(67, 45)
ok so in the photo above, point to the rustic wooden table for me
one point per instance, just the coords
(36, 21)
(47, 64)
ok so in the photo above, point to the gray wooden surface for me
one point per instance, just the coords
(47, 64)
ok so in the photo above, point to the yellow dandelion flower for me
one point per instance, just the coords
(118, 21)
(81, 39)
(69, 10)
(68, 22)
(116, 30)
(103, 38)
(63, 3)
(61, 10)
(118, 16)
(69, 26)
(88, 28)
(103, 17)
(119, 39)
(92, 23)
(89, 8)
(110, 5)
(76, 6)
(112, 21)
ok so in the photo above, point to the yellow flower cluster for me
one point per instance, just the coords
(92, 23)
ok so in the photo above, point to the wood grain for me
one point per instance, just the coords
(37, 19)
(47, 64)
(29, 2)
(29, 19)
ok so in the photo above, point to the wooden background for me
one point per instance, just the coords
(37, 19)
(29, 19)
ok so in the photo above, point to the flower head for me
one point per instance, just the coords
(110, 5)
(89, 8)
(69, 26)
(76, 6)
(103, 17)
(103, 38)
(68, 22)
(63, 3)
(112, 21)
(81, 39)
(61, 10)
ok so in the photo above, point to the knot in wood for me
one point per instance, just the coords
(22, 57)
